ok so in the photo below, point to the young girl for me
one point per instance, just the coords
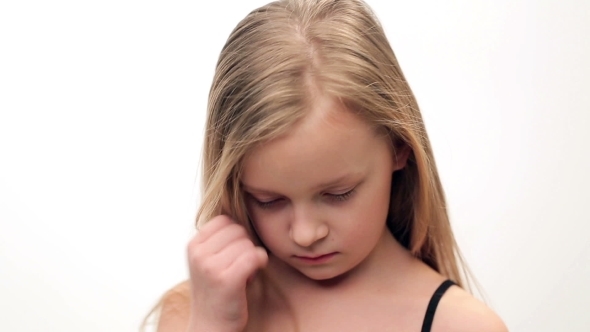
(322, 207)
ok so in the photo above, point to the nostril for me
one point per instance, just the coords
(323, 231)
(307, 235)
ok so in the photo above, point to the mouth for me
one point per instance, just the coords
(316, 259)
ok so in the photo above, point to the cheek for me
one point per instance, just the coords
(270, 228)
(379, 207)
(374, 207)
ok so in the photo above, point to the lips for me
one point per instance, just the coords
(316, 259)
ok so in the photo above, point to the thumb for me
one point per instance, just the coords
(262, 257)
(262, 261)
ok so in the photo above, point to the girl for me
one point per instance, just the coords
(322, 207)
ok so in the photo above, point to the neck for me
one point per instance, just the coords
(282, 296)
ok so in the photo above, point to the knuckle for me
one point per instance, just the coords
(247, 258)
(239, 247)
(220, 219)
(239, 230)
(193, 245)
(210, 270)
(194, 252)
(207, 268)
(196, 255)
(246, 244)
(223, 217)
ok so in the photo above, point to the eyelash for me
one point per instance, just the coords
(342, 197)
(335, 197)
(265, 205)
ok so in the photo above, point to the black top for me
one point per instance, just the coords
(431, 310)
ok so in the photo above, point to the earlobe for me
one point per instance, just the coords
(401, 154)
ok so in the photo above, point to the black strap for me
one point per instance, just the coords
(434, 303)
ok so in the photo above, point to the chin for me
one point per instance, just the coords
(323, 274)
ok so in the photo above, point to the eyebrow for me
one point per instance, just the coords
(327, 184)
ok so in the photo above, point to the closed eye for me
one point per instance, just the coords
(341, 197)
(336, 198)
(266, 204)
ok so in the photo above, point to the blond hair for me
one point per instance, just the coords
(272, 65)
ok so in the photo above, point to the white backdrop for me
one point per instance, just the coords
(102, 108)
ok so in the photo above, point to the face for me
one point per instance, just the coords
(318, 197)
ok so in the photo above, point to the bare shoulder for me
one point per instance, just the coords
(174, 309)
(459, 311)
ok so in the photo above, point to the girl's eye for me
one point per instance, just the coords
(268, 204)
(275, 202)
(341, 197)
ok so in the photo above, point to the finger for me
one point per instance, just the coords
(225, 258)
(213, 226)
(263, 261)
(246, 265)
(224, 238)
(206, 242)
(262, 257)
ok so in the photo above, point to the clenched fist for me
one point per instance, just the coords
(221, 259)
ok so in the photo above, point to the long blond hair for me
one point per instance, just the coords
(273, 62)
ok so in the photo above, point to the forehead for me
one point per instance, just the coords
(330, 141)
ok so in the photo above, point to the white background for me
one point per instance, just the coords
(102, 108)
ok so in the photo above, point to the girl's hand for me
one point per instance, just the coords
(221, 259)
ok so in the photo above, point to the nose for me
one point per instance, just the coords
(306, 229)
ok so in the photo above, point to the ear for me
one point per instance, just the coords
(401, 152)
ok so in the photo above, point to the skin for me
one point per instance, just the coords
(323, 188)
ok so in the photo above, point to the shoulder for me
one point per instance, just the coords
(459, 311)
(174, 309)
